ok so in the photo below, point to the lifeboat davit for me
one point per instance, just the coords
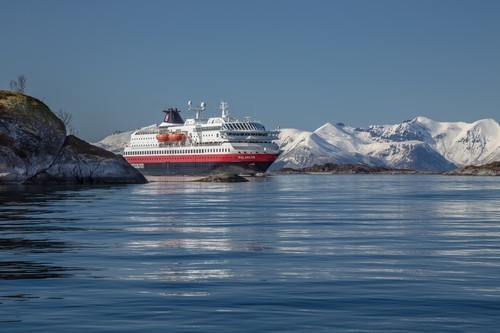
(162, 137)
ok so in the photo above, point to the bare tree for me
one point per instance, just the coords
(67, 118)
(19, 85)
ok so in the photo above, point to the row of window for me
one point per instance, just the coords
(210, 135)
(178, 151)
(196, 151)
(244, 126)
(176, 158)
(247, 134)
(209, 128)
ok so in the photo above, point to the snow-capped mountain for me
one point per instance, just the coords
(395, 146)
(117, 141)
(462, 143)
(327, 144)
(419, 144)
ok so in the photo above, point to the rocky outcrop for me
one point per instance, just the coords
(224, 178)
(34, 149)
(82, 163)
(491, 169)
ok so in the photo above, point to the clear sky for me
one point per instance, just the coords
(115, 64)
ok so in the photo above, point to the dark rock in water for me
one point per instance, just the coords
(491, 169)
(82, 163)
(34, 149)
(31, 136)
(224, 178)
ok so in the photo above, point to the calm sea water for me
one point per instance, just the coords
(286, 253)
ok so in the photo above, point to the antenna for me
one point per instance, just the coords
(197, 109)
(224, 107)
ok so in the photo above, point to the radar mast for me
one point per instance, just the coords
(224, 107)
(198, 109)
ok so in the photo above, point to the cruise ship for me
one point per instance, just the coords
(184, 150)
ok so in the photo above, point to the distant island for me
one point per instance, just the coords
(491, 169)
(332, 168)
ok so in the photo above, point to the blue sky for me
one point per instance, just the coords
(116, 64)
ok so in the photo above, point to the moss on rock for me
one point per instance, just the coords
(31, 136)
(28, 112)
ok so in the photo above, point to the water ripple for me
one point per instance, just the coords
(283, 253)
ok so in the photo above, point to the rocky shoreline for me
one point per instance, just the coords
(349, 169)
(491, 169)
(82, 163)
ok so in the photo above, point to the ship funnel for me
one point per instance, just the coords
(172, 116)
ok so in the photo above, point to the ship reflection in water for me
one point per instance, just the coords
(181, 254)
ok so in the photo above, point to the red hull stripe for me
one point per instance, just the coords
(215, 158)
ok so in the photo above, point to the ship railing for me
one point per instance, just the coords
(191, 144)
(247, 131)
(254, 135)
(243, 126)
(145, 132)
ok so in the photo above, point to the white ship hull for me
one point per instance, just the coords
(177, 150)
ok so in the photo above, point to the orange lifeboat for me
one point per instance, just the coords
(176, 136)
(163, 137)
